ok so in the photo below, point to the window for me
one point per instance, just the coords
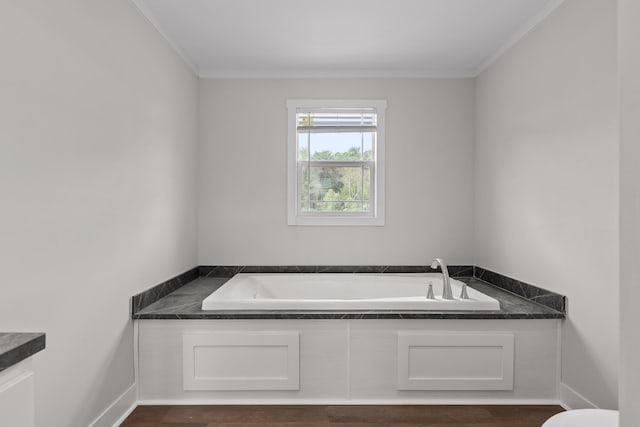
(336, 162)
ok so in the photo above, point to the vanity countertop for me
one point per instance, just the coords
(186, 303)
(17, 346)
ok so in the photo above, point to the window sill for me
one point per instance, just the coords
(336, 221)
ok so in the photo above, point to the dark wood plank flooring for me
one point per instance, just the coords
(341, 416)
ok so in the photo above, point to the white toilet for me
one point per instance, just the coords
(584, 418)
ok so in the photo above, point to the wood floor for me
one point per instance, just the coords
(340, 416)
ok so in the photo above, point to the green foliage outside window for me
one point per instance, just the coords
(336, 188)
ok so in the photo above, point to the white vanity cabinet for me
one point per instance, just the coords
(17, 395)
(17, 377)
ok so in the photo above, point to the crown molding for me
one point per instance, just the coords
(215, 73)
(518, 35)
(333, 74)
(148, 16)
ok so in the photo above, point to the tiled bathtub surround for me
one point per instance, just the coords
(17, 346)
(533, 293)
(151, 295)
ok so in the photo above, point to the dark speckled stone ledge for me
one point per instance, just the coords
(17, 346)
(186, 303)
(533, 293)
(230, 271)
(151, 295)
(181, 297)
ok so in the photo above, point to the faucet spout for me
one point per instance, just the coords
(447, 293)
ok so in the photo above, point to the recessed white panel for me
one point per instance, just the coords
(212, 362)
(241, 361)
(454, 361)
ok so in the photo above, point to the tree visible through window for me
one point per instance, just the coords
(338, 153)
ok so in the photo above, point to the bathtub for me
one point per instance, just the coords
(325, 291)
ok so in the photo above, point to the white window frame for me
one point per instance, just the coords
(294, 217)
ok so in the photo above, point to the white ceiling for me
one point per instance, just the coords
(343, 38)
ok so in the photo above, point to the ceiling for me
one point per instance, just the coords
(343, 38)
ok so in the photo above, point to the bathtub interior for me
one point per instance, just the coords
(321, 291)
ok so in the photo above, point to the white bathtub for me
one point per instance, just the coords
(342, 292)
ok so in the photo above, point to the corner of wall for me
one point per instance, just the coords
(571, 399)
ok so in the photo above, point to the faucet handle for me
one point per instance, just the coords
(438, 262)
(430, 294)
(463, 292)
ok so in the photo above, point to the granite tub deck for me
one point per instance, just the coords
(18, 346)
(186, 303)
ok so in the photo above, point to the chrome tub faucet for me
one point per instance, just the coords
(447, 293)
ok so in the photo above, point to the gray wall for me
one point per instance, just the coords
(98, 183)
(546, 181)
(243, 174)
(97, 160)
(629, 16)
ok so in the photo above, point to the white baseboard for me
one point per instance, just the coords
(143, 402)
(571, 399)
(119, 410)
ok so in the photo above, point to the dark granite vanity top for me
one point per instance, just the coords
(17, 346)
(186, 303)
